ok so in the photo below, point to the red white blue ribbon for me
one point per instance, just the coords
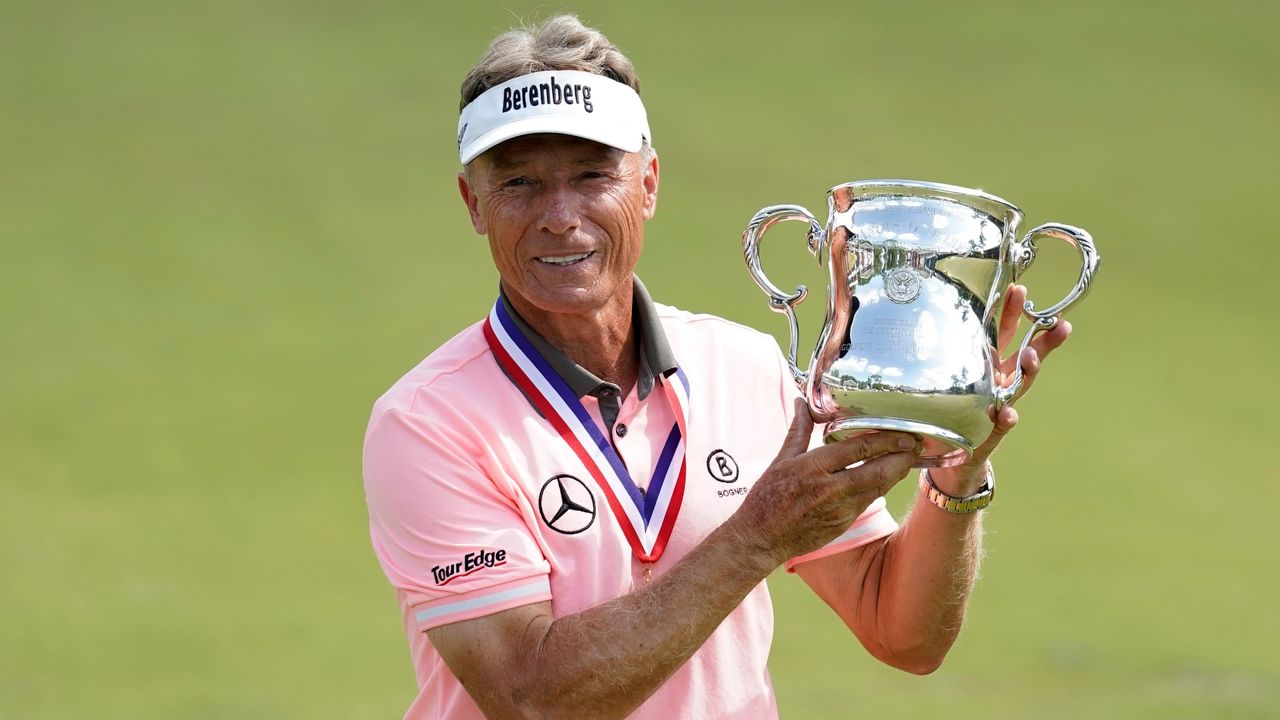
(646, 518)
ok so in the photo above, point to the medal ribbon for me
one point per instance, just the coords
(646, 519)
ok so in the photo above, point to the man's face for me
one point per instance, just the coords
(565, 218)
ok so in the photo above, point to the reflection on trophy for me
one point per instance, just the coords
(917, 275)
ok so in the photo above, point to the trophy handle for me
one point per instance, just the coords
(780, 301)
(1023, 254)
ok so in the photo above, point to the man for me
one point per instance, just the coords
(579, 498)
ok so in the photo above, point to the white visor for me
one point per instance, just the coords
(564, 102)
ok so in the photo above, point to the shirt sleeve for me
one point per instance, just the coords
(450, 538)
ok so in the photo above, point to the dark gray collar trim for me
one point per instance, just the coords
(578, 378)
(656, 358)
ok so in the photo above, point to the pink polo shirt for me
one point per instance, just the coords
(477, 505)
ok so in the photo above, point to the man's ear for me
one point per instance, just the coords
(651, 186)
(473, 204)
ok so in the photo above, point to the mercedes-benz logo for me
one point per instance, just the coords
(567, 505)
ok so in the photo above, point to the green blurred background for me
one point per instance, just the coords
(228, 227)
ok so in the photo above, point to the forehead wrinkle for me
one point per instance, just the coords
(598, 154)
(503, 161)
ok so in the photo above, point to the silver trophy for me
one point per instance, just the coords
(918, 272)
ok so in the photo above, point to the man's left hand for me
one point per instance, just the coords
(964, 480)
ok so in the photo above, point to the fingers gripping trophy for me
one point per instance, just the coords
(917, 274)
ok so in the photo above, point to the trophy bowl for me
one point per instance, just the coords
(917, 274)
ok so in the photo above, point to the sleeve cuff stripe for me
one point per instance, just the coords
(870, 530)
(540, 586)
(881, 524)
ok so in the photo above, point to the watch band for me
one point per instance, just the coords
(959, 505)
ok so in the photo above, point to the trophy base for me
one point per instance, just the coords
(943, 448)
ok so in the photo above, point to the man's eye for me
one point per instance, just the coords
(516, 182)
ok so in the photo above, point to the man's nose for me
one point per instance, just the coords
(560, 211)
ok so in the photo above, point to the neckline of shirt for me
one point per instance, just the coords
(656, 358)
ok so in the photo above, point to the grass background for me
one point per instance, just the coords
(226, 227)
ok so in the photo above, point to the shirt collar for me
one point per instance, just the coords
(656, 358)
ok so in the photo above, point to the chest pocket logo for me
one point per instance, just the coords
(567, 505)
(722, 466)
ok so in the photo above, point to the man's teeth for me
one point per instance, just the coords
(563, 259)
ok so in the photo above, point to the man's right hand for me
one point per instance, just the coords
(807, 498)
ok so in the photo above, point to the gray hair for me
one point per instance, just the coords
(559, 43)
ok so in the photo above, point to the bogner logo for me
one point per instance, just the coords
(722, 466)
(471, 562)
(547, 93)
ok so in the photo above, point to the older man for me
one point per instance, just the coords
(578, 498)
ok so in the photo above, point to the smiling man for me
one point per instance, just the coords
(578, 498)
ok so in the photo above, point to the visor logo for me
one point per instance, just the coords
(547, 93)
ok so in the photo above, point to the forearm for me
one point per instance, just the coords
(904, 596)
(613, 656)
(927, 571)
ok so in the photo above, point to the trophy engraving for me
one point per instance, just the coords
(902, 285)
(917, 273)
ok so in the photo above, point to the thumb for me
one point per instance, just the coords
(797, 440)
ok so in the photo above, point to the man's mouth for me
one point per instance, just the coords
(565, 260)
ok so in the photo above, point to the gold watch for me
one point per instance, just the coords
(960, 505)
